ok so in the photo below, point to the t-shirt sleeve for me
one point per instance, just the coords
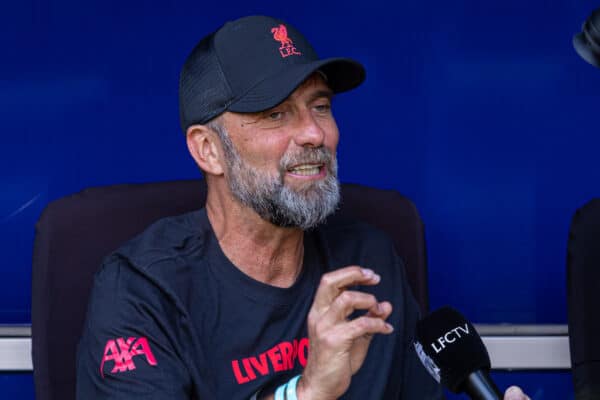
(128, 349)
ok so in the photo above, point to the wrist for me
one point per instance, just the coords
(302, 391)
(286, 391)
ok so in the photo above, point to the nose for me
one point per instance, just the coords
(310, 133)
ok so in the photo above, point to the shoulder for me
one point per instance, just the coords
(118, 283)
(158, 262)
(165, 249)
(166, 238)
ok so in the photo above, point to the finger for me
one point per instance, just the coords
(383, 310)
(334, 283)
(361, 327)
(344, 305)
(515, 393)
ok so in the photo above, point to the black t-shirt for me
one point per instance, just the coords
(170, 317)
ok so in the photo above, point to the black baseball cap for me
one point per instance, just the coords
(250, 65)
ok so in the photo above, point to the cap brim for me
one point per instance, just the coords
(342, 74)
(582, 48)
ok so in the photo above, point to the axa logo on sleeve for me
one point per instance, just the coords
(450, 337)
(121, 353)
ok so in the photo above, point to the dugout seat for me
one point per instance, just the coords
(583, 297)
(75, 232)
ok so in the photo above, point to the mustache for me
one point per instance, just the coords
(308, 155)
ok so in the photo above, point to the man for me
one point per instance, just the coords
(224, 303)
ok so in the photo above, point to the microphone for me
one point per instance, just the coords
(454, 354)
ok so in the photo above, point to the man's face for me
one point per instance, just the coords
(281, 162)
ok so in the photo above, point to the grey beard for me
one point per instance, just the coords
(271, 199)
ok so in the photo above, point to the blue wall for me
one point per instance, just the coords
(481, 112)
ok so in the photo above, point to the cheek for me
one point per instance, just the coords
(333, 136)
(266, 153)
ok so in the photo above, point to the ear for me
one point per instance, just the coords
(204, 146)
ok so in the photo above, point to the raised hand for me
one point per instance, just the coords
(338, 346)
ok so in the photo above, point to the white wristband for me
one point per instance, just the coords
(280, 392)
(290, 393)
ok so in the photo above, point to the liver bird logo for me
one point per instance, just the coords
(287, 47)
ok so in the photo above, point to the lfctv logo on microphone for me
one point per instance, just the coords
(450, 337)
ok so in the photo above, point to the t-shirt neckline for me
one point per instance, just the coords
(253, 289)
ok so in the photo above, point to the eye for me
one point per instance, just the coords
(323, 108)
(275, 115)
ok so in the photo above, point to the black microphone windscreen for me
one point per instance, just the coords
(450, 348)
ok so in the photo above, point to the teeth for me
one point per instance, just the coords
(305, 170)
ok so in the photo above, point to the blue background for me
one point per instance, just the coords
(481, 112)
